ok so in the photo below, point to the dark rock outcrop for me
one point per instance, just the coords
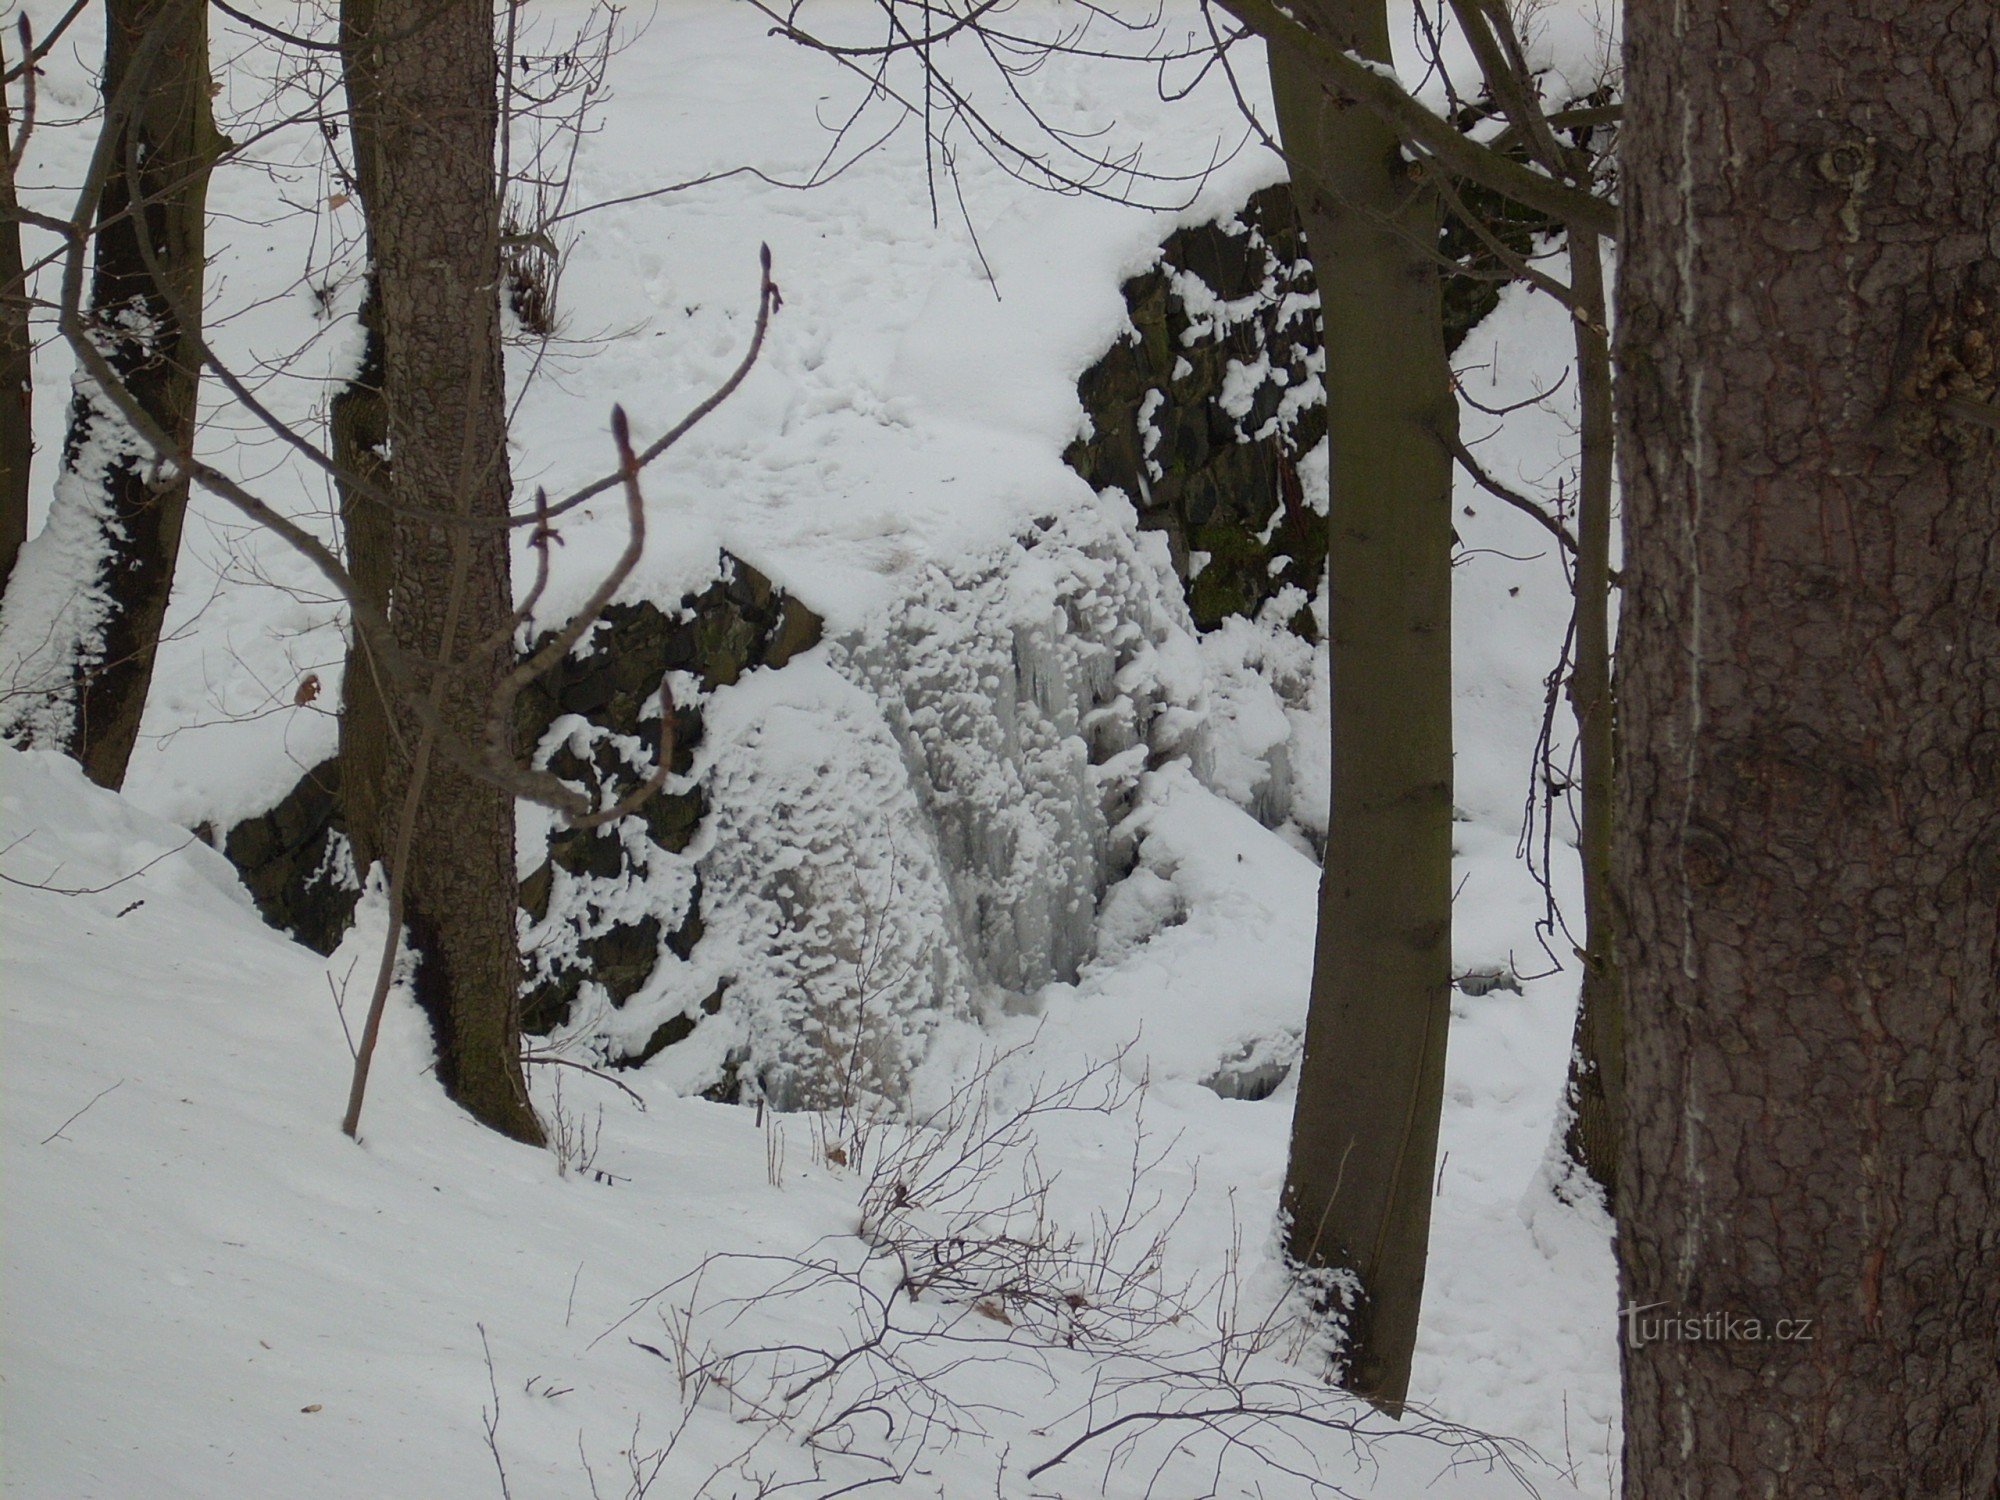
(296, 861)
(1202, 412)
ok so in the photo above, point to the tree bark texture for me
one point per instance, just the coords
(359, 422)
(115, 502)
(1597, 1064)
(425, 113)
(1810, 741)
(17, 385)
(1371, 1084)
(359, 431)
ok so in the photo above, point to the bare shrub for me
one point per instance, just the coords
(553, 80)
(961, 1297)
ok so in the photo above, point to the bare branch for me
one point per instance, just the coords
(1500, 491)
(769, 300)
(1379, 92)
(57, 1132)
(17, 149)
(1978, 413)
(305, 43)
(94, 890)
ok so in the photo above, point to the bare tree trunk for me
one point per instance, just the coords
(93, 654)
(359, 423)
(1371, 1085)
(17, 385)
(425, 114)
(359, 420)
(1810, 787)
(1597, 1064)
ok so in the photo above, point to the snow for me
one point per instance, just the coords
(825, 893)
(211, 1291)
(53, 625)
(1015, 824)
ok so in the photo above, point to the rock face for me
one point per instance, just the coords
(916, 822)
(1207, 413)
(606, 903)
(919, 822)
(297, 862)
(610, 902)
(1208, 416)
(1203, 413)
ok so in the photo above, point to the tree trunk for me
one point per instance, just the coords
(1597, 1062)
(358, 420)
(17, 385)
(1809, 693)
(1371, 1085)
(425, 114)
(97, 633)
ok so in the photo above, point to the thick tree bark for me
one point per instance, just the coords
(359, 431)
(1371, 1085)
(17, 386)
(359, 422)
(425, 114)
(1597, 1064)
(113, 505)
(1810, 742)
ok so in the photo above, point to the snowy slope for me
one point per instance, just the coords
(210, 1292)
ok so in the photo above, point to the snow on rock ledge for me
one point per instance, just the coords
(917, 822)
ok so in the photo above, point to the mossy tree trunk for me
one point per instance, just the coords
(359, 420)
(425, 114)
(1371, 1085)
(359, 429)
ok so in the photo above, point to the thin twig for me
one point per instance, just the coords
(1979, 413)
(288, 38)
(583, 1067)
(79, 1114)
(94, 890)
(17, 149)
(26, 66)
(492, 1419)
(1500, 491)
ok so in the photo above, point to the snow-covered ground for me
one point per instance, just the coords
(209, 1291)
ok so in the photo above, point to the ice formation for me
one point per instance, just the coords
(825, 902)
(921, 819)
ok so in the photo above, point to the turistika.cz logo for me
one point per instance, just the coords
(1645, 1324)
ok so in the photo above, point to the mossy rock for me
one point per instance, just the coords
(294, 857)
(1215, 468)
(1213, 478)
(295, 862)
(679, 1029)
